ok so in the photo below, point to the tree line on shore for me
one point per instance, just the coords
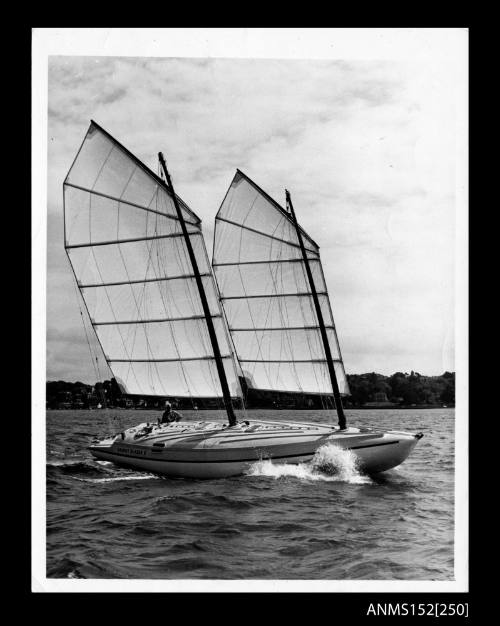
(402, 388)
(367, 390)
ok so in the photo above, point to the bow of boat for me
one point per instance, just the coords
(377, 451)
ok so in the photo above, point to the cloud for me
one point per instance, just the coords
(367, 150)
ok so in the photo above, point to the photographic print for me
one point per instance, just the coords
(250, 268)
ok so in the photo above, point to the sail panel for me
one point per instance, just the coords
(262, 279)
(103, 166)
(129, 256)
(275, 312)
(137, 260)
(158, 299)
(241, 245)
(90, 159)
(267, 297)
(298, 344)
(292, 377)
(94, 218)
(178, 339)
(179, 379)
(248, 206)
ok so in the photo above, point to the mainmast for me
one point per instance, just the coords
(204, 302)
(331, 369)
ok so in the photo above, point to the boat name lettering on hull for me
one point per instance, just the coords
(131, 451)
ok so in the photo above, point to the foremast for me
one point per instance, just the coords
(228, 405)
(326, 345)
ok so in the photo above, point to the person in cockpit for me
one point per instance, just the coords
(169, 415)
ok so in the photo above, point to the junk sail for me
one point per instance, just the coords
(266, 294)
(128, 253)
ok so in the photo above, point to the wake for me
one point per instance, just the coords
(93, 471)
(115, 479)
(330, 463)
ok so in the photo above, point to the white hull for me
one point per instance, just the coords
(207, 450)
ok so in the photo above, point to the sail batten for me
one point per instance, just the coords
(197, 358)
(287, 361)
(152, 321)
(266, 294)
(264, 262)
(118, 241)
(280, 328)
(305, 294)
(128, 252)
(269, 236)
(144, 280)
(125, 202)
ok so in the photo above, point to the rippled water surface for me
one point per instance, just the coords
(277, 522)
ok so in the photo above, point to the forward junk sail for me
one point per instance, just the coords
(266, 295)
(129, 256)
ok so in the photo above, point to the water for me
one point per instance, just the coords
(322, 520)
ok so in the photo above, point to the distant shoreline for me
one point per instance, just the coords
(367, 392)
(351, 408)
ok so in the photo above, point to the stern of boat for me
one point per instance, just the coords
(100, 448)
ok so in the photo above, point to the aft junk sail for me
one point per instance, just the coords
(267, 298)
(125, 244)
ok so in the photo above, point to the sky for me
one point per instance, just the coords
(366, 148)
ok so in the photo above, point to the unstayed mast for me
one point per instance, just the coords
(204, 302)
(319, 314)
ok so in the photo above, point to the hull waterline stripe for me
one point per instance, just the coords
(373, 445)
(252, 460)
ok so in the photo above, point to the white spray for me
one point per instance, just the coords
(330, 463)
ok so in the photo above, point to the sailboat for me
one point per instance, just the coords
(168, 321)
